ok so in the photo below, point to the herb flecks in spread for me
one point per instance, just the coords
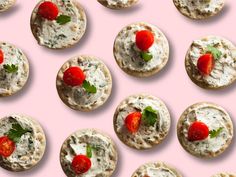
(199, 131)
(8, 142)
(144, 40)
(149, 116)
(206, 62)
(50, 11)
(74, 76)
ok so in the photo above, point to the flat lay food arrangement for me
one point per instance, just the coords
(111, 88)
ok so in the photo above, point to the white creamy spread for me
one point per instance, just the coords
(103, 156)
(96, 74)
(5, 4)
(54, 35)
(224, 175)
(146, 135)
(115, 2)
(129, 54)
(12, 82)
(201, 7)
(224, 71)
(160, 172)
(28, 150)
(214, 118)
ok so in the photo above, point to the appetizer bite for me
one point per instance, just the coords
(141, 121)
(156, 169)
(84, 83)
(14, 69)
(205, 130)
(88, 153)
(118, 4)
(199, 9)
(6, 4)
(224, 175)
(210, 62)
(141, 49)
(58, 24)
(22, 142)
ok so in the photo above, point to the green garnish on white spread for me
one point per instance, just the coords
(214, 51)
(63, 19)
(88, 87)
(16, 132)
(215, 133)
(150, 116)
(146, 56)
(10, 68)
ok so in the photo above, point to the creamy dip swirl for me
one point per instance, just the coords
(128, 55)
(104, 156)
(12, 82)
(6, 4)
(224, 71)
(147, 136)
(214, 117)
(52, 34)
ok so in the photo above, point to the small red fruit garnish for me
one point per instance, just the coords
(48, 10)
(205, 63)
(132, 122)
(144, 39)
(1, 56)
(74, 76)
(198, 131)
(81, 164)
(7, 146)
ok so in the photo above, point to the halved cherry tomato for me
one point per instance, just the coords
(205, 63)
(1, 56)
(7, 146)
(144, 39)
(132, 121)
(48, 10)
(73, 76)
(198, 131)
(81, 164)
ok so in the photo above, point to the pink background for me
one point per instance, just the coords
(40, 100)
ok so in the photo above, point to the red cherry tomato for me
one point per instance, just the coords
(7, 146)
(205, 64)
(73, 76)
(132, 122)
(144, 39)
(81, 164)
(48, 10)
(1, 56)
(198, 131)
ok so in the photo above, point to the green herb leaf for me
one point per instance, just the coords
(149, 116)
(214, 51)
(89, 151)
(88, 87)
(63, 19)
(16, 132)
(146, 56)
(10, 68)
(215, 133)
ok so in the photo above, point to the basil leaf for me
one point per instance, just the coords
(10, 68)
(214, 51)
(146, 56)
(150, 116)
(215, 133)
(16, 132)
(89, 151)
(88, 87)
(63, 19)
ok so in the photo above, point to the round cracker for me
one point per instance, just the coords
(7, 4)
(193, 72)
(196, 13)
(86, 136)
(160, 40)
(192, 146)
(118, 6)
(34, 27)
(15, 85)
(224, 175)
(64, 90)
(31, 159)
(141, 140)
(142, 170)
